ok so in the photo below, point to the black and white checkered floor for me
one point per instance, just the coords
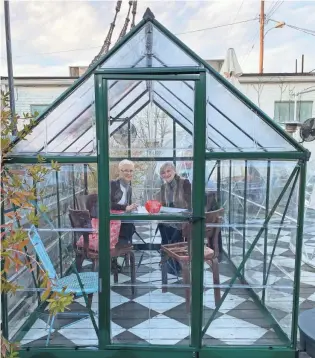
(151, 316)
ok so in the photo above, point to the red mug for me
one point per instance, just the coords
(153, 206)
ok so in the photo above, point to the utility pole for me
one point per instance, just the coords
(9, 58)
(262, 30)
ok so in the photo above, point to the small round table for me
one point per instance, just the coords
(307, 332)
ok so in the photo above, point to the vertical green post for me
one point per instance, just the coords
(298, 253)
(73, 186)
(219, 182)
(244, 212)
(198, 198)
(174, 142)
(266, 232)
(230, 209)
(59, 224)
(129, 139)
(86, 189)
(102, 134)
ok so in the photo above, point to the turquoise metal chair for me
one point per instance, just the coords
(80, 284)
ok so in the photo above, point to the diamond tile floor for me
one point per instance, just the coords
(154, 317)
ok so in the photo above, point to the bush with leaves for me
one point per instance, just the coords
(19, 193)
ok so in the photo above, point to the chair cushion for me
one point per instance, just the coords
(93, 238)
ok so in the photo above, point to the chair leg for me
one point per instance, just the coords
(50, 330)
(186, 280)
(164, 273)
(94, 265)
(79, 262)
(115, 269)
(127, 260)
(131, 256)
(216, 280)
(90, 300)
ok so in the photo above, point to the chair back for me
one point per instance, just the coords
(42, 253)
(80, 219)
(92, 205)
(211, 233)
(80, 202)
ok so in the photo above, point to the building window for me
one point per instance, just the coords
(39, 108)
(284, 111)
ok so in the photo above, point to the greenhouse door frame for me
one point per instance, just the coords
(102, 128)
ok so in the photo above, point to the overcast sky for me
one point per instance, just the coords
(50, 36)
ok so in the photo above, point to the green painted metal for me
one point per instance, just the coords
(59, 223)
(219, 182)
(85, 169)
(231, 88)
(152, 217)
(174, 142)
(230, 209)
(150, 72)
(251, 248)
(288, 201)
(198, 206)
(141, 77)
(129, 140)
(119, 115)
(73, 187)
(152, 159)
(163, 352)
(125, 94)
(257, 155)
(173, 94)
(266, 231)
(245, 209)
(24, 159)
(102, 132)
(298, 253)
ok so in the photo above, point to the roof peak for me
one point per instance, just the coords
(148, 15)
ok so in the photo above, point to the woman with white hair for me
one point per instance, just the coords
(175, 192)
(121, 199)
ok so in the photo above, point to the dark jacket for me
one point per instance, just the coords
(182, 193)
(116, 194)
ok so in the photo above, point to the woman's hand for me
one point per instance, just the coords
(131, 207)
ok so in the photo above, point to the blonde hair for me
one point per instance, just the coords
(125, 162)
(167, 165)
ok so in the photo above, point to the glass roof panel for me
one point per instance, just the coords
(81, 142)
(167, 52)
(258, 132)
(66, 113)
(118, 106)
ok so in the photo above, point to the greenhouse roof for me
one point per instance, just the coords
(234, 123)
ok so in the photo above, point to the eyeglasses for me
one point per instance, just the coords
(126, 171)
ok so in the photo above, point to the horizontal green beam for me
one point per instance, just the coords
(150, 159)
(139, 351)
(152, 77)
(257, 155)
(24, 159)
(150, 70)
(148, 217)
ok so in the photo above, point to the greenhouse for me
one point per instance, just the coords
(230, 285)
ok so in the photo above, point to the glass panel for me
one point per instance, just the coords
(73, 108)
(242, 121)
(68, 222)
(150, 298)
(257, 308)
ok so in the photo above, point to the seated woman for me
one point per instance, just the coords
(175, 192)
(121, 199)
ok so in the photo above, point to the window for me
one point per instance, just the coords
(38, 108)
(284, 111)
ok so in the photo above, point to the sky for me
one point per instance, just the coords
(50, 36)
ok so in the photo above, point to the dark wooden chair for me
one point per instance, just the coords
(81, 219)
(181, 253)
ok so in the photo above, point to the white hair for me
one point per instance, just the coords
(125, 162)
(167, 165)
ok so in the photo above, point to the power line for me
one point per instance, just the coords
(235, 17)
(307, 31)
(216, 27)
(97, 47)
